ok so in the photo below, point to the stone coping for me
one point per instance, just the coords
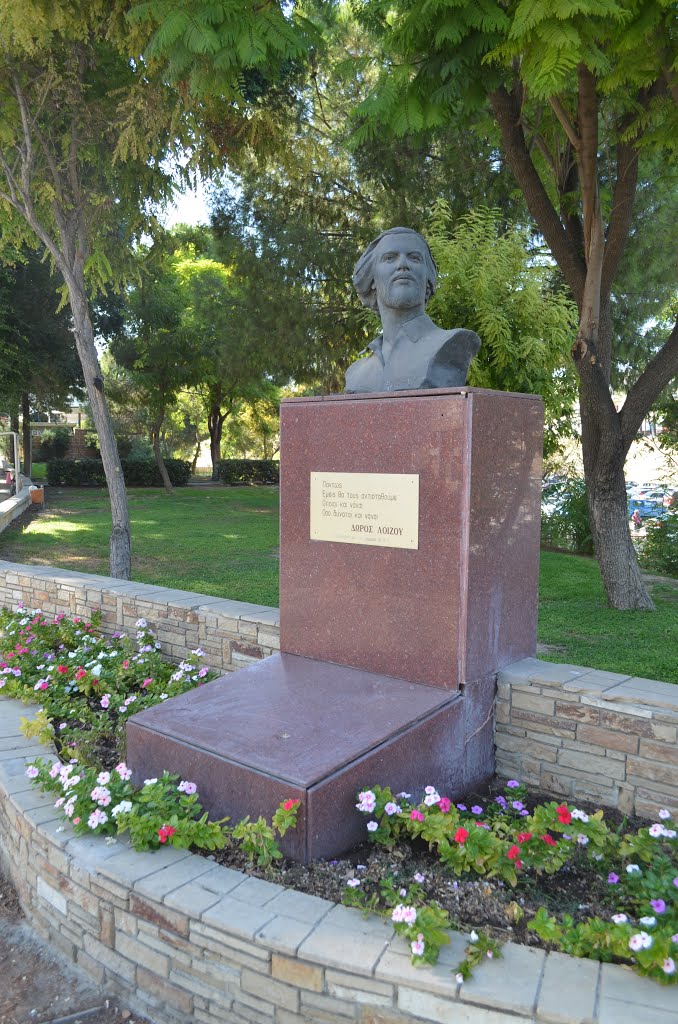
(605, 688)
(12, 507)
(182, 938)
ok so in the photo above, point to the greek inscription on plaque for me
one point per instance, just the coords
(380, 509)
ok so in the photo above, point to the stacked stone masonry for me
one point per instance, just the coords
(568, 730)
(180, 938)
(589, 735)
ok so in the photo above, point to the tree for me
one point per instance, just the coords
(64, 86)
(37, 348)
(494, 282)
(302, 217)
(582, 95)
(153, 346)
(85, 125)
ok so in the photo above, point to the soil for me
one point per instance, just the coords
(577, 889)
(39, 985)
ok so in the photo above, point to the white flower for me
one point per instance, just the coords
(669, 966)
(664, 814)
(392, 808)
(473, 937)
(141, 623)
(641, 940)
(96, 670)
(576, 813)
(367, 801)
(582, 840)
(122, 808)
(459, 978)
(619, 918)
(353, 883)
(372, 826)
(432, 798)
(103, 778)
(632, 869)
(656, 830)
(647, 922)
(149, 782)
(32, 772)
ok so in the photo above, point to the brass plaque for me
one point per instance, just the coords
(381, 509)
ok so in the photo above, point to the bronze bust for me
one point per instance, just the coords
(396, 276)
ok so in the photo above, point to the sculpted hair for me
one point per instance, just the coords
(363, 272)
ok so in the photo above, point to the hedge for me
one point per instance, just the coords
(137, 472)
(249, 471)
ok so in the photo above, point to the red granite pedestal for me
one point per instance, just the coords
(389, 655)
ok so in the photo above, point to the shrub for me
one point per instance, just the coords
(567, 524)
(54, 442)
(249, 471)
(137, 472)
(659, 550)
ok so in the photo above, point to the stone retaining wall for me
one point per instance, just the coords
(182, 939)
(589, 735)
(568, 730)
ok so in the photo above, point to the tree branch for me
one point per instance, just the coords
(659, 372)
(507, 113)
(564, 118)
(621, 215)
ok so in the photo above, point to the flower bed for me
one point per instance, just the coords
(87, 683)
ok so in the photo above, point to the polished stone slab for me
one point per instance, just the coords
(291, 727)
(464, 602)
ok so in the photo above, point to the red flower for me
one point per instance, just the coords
(166, 832)
(522, 837)
(444, 804)
(460, 836)
(62, 669)
(514, 853)
(80, 674)
(564, 816)
(125, 664)
(549, 840)
(289, 804)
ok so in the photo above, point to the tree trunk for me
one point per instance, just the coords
(215, 424)
(604, 453)
(605, 438)
(26, 425)
(196, 453)
(155, 441)
(121, 541)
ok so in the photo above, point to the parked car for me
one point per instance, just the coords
(648, 509)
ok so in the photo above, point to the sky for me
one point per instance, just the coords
(189, 208)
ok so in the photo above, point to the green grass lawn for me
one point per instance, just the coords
(224, 541)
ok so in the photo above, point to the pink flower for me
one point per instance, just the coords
(287, 806)
(418, 946)
(444, 804)
(125, 663)
(105, 700)
(669, 966)
(190, 787)
(416, 815)
(146, 682)
(123, 771)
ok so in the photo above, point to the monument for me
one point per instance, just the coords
(409, 553)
